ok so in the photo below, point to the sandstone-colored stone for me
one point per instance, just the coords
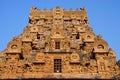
(58, 43)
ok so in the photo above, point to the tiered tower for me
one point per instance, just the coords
(58, 43)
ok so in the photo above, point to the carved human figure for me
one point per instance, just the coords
(41, 43)
(102, 65)
(73, 43)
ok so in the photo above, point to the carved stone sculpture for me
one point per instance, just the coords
(58, 43)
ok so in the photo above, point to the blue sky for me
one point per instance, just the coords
(103, 15)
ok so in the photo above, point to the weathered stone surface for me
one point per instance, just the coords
(58, 44)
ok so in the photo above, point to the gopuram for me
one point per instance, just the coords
(58, 44)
